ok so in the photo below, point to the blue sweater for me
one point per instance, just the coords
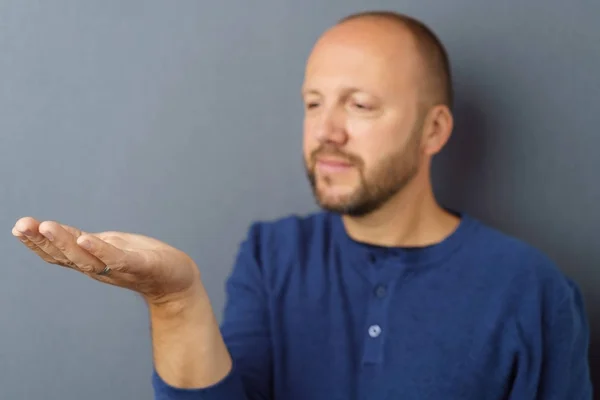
(313, 315)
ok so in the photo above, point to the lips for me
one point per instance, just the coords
(331, 165)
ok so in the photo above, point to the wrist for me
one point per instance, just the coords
(192, 303)
(189, 351)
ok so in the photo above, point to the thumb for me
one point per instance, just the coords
(118, 259)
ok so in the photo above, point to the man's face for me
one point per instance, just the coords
(362, 126)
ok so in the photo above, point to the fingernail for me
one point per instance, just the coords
(48, 235)
(86, 244)
(26, 232)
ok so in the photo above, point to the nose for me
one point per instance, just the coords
(330, 127)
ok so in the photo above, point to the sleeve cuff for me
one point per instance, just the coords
(229, 388)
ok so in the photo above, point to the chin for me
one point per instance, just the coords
(352, 203)
(337, 201)
(333, 194)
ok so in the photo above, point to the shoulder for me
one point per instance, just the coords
(541, 307)
(287, 236)
(513, 254)
(519, 268)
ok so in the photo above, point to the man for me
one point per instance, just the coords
(383, 295)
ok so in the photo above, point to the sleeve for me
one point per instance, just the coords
(245, 330)
(560, 369)
(565, 372)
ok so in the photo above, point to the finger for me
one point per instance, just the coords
(118, 259)
(44, 243)
(62, 240)
(29, 225)
(72, 230)
(27, 230)
(26, 225)
(32, 246)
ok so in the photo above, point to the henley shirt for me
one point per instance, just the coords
(312, 314)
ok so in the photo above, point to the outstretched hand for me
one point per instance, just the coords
(157, 271)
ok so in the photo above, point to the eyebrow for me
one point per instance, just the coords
(304, 92)
(347, 90)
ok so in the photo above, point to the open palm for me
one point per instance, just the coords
(150, 267)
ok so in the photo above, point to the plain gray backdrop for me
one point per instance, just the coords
(182, 120)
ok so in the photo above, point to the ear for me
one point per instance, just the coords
(437, 129)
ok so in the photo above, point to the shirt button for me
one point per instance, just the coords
(380, 291)
(372, 258)
(374, 331)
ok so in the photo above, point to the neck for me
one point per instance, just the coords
(412, 218)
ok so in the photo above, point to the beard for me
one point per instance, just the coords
(375, 187)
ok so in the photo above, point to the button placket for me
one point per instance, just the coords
(375, 329)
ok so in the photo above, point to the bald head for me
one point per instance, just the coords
(435, 77)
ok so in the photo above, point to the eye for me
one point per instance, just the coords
(362, 106)
(312, 105)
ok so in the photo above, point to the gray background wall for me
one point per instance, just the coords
(182, 120)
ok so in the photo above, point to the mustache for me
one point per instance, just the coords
(325, 150)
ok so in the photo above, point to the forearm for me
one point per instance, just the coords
(188, 348)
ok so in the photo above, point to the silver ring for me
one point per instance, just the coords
(105, 271)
